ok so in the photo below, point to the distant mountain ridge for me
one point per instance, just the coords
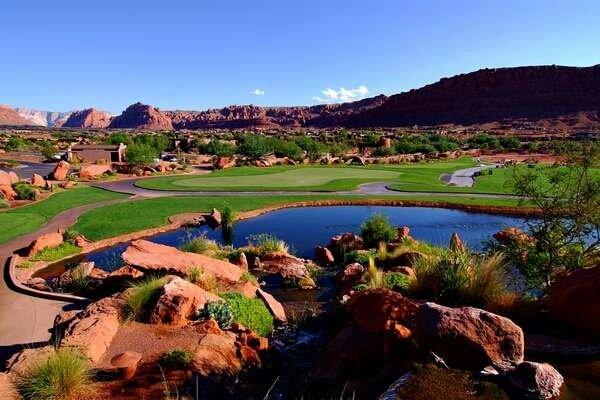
(43, 118)
(543, 96)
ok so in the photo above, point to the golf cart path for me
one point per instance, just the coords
(25, 321)
(465, 177)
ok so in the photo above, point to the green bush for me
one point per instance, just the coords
(56, 253)
(377, 229)
(141, 154)
(268, 243)
(284, 148)
(227, 216)
(248, 277)
(177, 358)
(255, 146)
(65, 375)
(251, 313)
(3, 203)
(25, 191)
(396, 281)
(220, 311)
(218, 148)
(361, 257)
(142, 298)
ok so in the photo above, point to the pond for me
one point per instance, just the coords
(305, 228)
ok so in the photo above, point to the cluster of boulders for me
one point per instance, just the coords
(386, 328)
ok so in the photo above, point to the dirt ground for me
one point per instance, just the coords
(518, 157)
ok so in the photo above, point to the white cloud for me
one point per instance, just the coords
(258, 92)
(342, 94)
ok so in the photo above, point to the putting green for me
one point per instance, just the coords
(274, 178)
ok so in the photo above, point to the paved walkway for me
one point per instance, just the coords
(465, 177)
(25, 321)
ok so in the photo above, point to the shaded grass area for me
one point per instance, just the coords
(132, 216)
(23, 220)
(310, 178)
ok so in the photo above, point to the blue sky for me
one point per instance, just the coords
(63, 55)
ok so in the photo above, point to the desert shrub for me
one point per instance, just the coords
(374, 275)
(251, 313)
(142, 297)
(200, 245)
(25, 191)
(248, 277)
(383, 151)
(220, 311)
(218, 148)
(205, 280)
(255, 146)
(377, 229)
(66, 375)
(459, 278)
(361, 257)
(268, 243)
(312, 147)
(396, 281)
(177, 358)
(284, 148)
(227, 216)
(56, 253)
(70, 236)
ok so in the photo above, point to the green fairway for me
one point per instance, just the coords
(23, 220)
(132, 216)
(311, 178)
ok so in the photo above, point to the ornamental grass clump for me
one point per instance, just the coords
(65, 375)
(202, 278)
(200, 245)
(268, 243)
(142, 298)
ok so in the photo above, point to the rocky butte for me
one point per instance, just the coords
(88, 118)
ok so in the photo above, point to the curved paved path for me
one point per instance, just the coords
(464, 177)
(25, 321)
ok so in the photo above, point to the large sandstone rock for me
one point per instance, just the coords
(20, 363)
(148, 256)
(43, 241)
(377, 310)
(92, 171)
(7, 192)
(273, 305)
(224, 163)
(536, 380)
(93, 329)
(179, 300)
(5, 179)
(216, 356)
(284, 264)
(575, 299)
(469, 337)
(38, 181)
(323, 256)
(61, 171)
(346, 242)
(512, 235)
(8, 391)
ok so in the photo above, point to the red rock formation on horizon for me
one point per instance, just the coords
(494, 95)
(88, 118)
(142, 116)
(9, 116)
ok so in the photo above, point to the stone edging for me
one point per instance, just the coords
(14, 283)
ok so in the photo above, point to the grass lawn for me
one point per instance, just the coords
(132, 216)
(419, 176)
(23, 220)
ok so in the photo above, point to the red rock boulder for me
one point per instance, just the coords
(575, 299)
(376, 310)
(38, 181)
(92, 171)
(323, 256)
(469, 337)
(536, 381)
(7, 192)
(43, 241)
(61, 171)
(179, 301)
(512, 235)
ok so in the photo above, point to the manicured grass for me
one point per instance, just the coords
(308, 178)
(132, 216)
(23, 220)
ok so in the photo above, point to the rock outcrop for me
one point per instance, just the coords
(92, 171)
(142, 116)
(90, 118)
(147, 257)
(9, 116)
(93, 329)
(179, 301)
(7, 192)
(216, 356)
(52, 239)
(61, 171)
(575, 300)
(273, 305)
(469, 337)
(38, 181)
(533, 380)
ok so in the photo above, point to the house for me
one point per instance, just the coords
(97, 153)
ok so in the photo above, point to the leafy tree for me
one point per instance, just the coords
(119, 137)
(255, 146)
(218, 148)
(484, 141)
(48, 150)
(141, 154)
(313, 148)
(510, 142)
(377, 229)
(15, 143)
(284, 148)
(567, 232)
